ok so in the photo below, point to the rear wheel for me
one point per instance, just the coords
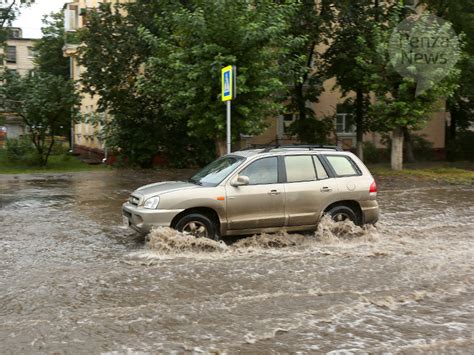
(344, 213)
(198, 225)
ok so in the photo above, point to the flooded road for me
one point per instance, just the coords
(73, 281)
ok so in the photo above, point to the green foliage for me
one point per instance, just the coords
(8, 13)
(159, 76)
(20, 151)
(374, 155)
(462, 147)
(44, 102)
(49, 49)
(56, 163)
(398, 102)
(308, 27)
(422, 148)
(313, 130)
(352, 46)
(461, 103)
(190, 45)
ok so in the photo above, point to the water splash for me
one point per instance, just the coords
(169, 242)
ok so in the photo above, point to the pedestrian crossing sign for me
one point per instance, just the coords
(228, 83)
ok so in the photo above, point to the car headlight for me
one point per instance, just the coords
(152, 203)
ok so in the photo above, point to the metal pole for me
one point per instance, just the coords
(71, 74)
(229, 137)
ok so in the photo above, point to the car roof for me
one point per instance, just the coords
(287, 149)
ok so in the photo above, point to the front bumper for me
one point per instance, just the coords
(143, 220)
(370, 211)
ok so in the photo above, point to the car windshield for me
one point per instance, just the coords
(215, 172)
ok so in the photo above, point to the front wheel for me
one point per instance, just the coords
(198, 225)
(344, 213)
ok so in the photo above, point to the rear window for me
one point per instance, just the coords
(299, 168)
(343, 165)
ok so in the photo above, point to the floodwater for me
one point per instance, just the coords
(73, 281)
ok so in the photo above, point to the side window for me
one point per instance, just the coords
(299, 168)
(263, 171)
(321, 172)
(342, 165)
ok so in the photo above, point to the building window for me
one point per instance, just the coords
(288, 119)
(11, 54)
(31, 52)
(343, 124)
(71, 18)
(15, 33)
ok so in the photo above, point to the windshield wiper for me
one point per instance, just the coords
(194, 181)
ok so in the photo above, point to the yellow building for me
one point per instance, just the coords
(19, 58)
(86, 136)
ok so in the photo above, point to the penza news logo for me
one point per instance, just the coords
(424, 47)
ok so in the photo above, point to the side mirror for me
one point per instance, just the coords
(241, 180)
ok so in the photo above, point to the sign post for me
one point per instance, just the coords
(229, 91)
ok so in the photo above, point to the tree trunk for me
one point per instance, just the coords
(360, 125)
(300, 101)
(397, 149)
(450, 135)
(410, 154)
(48, 152)
(453, 124)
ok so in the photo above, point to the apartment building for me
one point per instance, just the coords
(86, 135)
(18, 57)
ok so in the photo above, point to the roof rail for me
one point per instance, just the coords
(302, 146)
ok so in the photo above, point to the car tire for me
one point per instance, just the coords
(198, 225)
(343, 213)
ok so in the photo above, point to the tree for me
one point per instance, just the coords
(8, 12)
(44, 102)
(191, 42)
(49, 57)
(159, 75)
(352, 45)
(49, 49)
(308, 29)
(113, 54)
(406, 95)
(461, 104)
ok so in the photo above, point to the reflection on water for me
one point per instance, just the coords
(73, 280)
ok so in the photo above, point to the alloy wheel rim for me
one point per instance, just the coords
(196, 228)
(340, 217)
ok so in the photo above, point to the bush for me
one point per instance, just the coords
(60, 148)
(21, 150)
(462, 147)
(374, 155)
(312, 130)
(422, 148)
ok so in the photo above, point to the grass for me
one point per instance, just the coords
(441, 173)
(56, 164)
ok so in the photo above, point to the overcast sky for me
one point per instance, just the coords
(30, 18)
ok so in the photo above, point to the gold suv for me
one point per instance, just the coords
(259, 190)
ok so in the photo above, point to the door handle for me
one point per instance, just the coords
(274, 192)
(326, 189)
